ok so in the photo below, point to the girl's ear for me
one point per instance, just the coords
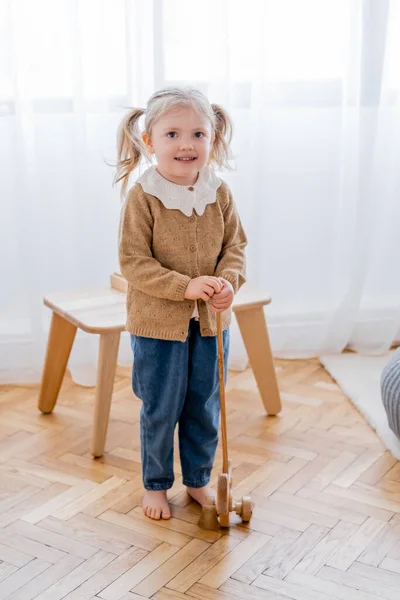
(212, 140)
(147, 141)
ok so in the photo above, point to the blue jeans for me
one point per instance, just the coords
(178, 383)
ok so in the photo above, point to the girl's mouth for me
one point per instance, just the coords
(186, 159)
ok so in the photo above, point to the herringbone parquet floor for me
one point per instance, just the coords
(326, 523)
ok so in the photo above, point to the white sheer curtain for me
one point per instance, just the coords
(313, 87)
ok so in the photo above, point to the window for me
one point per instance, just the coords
(55, 56)
(240, 40)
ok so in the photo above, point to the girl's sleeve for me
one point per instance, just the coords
(137, 264)
(232, 260)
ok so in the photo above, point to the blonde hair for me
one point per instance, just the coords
(131, 147)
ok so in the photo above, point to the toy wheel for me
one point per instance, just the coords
(224, 520)
(247, 509)
(222, 501)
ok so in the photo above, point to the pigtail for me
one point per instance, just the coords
(221, 151)
(130, 147)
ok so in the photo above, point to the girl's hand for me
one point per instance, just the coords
(203, 287)
(223, 300)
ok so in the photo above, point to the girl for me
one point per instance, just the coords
(181, 250)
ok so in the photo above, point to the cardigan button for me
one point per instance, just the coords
(193, 248)
(191, 188)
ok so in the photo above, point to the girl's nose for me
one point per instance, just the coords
(187, 145)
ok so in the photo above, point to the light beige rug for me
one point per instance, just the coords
(359, 378)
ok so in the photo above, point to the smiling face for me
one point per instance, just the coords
(181, 139)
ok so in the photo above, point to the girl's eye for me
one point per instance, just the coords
(199, 134)
(171, 134)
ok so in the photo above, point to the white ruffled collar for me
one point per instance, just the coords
(182, 197)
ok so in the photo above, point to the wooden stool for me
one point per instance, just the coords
(104, 312)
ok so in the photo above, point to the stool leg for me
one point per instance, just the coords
(255, 336)
(107, 363)
(61, 337)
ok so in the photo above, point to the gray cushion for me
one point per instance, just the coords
(390, 389)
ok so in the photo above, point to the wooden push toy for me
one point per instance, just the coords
(215, 514)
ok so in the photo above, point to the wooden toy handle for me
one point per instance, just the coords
(221, 370)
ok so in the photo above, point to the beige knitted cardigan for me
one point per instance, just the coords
(161, 250)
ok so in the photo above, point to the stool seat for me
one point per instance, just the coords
(94, 310)
(103, 311)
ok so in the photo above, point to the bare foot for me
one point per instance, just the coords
(155, 505)
(201, 495)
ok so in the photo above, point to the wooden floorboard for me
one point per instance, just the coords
(326, 523)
